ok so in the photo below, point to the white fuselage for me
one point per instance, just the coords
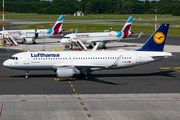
(21, 34)
(89, 38)
(82, 59)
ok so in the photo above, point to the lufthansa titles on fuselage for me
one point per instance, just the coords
(44, 55)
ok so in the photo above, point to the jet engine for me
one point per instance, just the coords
(101, 45)
(28, 40)
(66, 72)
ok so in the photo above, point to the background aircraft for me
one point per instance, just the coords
(102, 37)
(69, 63)
(32, 35)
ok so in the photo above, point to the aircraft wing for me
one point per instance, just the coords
(139, 35)
(110, 38)
(102, 39)
(55, 66)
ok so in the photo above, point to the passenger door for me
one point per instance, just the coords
(26, 58)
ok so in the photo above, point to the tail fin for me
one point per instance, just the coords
(57, 26)
(157, 40)
(126, 29)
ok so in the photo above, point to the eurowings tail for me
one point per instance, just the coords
(126, 29)
(157, 40)
(57, 28)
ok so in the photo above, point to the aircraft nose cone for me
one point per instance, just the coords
(65, 41)
(62, 41)
(5, 63)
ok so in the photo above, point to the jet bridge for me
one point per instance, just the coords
(79, 44)
(9, 39)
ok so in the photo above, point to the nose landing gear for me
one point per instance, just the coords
(26, 75)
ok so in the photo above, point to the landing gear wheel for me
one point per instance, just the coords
(67, 46)
(26, 76)
(104, 47)
(34, 42)
(90, 46)
(86, 77)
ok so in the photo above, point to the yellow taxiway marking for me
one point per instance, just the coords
(58, 79)
(82, 103)
(69, 81)
(76, 93)
(79, 98)
(88, 115)
(85, 109)
(175, 68)
(166, 68)
(71, 85)
(74, 89)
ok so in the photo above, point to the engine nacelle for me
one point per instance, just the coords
(101, 44)
(28, 40)
(66, 72)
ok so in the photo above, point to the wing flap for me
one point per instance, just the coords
(55, 66)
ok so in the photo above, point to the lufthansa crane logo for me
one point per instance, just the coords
(159, 38)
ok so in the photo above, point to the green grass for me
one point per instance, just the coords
(35, 16)
(5, 23)
(159, 22)
(101, 27)
(147, 18)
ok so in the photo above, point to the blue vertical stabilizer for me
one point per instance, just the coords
(157, 40)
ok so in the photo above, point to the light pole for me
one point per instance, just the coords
(155, 19)
(3, 24)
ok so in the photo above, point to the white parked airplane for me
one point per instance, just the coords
(101, 37)
(69, 63)
(33, 34)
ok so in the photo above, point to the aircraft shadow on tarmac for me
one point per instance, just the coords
(95, 77)
(161, 73)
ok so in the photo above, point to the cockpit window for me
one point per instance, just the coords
(67, 37)
(14, 58)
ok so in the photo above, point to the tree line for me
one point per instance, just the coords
(93, 6)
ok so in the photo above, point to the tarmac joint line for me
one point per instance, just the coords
(2, 105)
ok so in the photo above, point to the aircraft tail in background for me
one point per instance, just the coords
(126, 30)
(57, 28)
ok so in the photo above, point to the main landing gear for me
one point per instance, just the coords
(85, 74)
(86, 77)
